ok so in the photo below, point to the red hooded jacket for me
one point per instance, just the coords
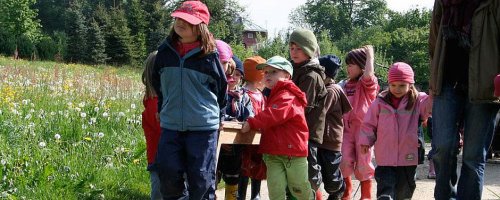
(151, 126)
(282, 122)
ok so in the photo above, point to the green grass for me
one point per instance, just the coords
(99, 150)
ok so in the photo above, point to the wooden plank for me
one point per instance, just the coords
(231, 134)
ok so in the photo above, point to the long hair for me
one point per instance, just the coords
(147, 75)
(206, 39)
(412, 97)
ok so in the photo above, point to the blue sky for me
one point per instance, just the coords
(273, 14)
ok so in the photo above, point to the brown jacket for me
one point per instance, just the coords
(484, 55)
(337, 105)
(309, 78)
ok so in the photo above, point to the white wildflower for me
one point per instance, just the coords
(28, 116)
(52, 113)
(93, 120)
(96, 109)
(78, 109)
(42, 144)
(3, 162)
(81, 105)
(25, 101)
(105, 114)
(100, 135)
(83, 114)
(132, 106)
(57, 136)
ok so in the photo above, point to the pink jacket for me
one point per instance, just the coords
(394, 131)
(366, 92)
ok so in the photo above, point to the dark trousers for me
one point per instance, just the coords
(187, 155)
(314, 168)
(395, 182)
(330, 172)
(229, 163)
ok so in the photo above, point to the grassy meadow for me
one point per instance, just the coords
(71, 131)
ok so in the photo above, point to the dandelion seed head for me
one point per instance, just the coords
(42, 144)
(57, 136)
(83, 114)
(100, 135)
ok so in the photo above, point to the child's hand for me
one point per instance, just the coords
(364, 149)
(369, 51)
(245, 128)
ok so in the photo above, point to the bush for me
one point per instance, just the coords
(7, 43)
(26, 47)
(47, 48)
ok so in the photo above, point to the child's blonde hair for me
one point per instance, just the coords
(147, 75)
(205, 37)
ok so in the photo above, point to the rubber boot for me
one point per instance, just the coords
(242, 188)
(366, 190)
(255, 189)
(319, 195)
(231, 192)
(348, 188)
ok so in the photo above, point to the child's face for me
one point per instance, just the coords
(297, 54)
(187, 32)
(273, 75)
(354, 71)
(233, 79)
(399, 88)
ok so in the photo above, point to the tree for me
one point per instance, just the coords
(136, 18)
(96, 44)
(18, 20)
(118, 40)
(51, 14)
(76, 32)
(157, 23)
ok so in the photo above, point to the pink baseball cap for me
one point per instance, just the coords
(497, 85)
(225, 51)
(194, 12)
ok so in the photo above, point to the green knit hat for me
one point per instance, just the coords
(306, 40)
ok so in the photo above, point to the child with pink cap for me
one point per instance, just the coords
(391, 125)
(191, 87)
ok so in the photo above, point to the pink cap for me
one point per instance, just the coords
(401, 71)
(497, 85)
(224, 50)
(194, 12)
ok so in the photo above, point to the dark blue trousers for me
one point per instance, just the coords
(186, 164)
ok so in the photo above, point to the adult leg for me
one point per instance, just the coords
(276, 176)
(479, 123)
(330, 170)
(201, 148)
(170, 165)
(447, 108)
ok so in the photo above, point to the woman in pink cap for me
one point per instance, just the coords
(391, 124)
(191, 86)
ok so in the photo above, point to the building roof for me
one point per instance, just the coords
(250, 26)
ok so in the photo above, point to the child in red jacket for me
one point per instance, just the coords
(150, 123)
(284, 132)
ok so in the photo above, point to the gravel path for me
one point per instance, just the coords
(425, 187)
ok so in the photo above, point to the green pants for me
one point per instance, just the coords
(283, 171)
